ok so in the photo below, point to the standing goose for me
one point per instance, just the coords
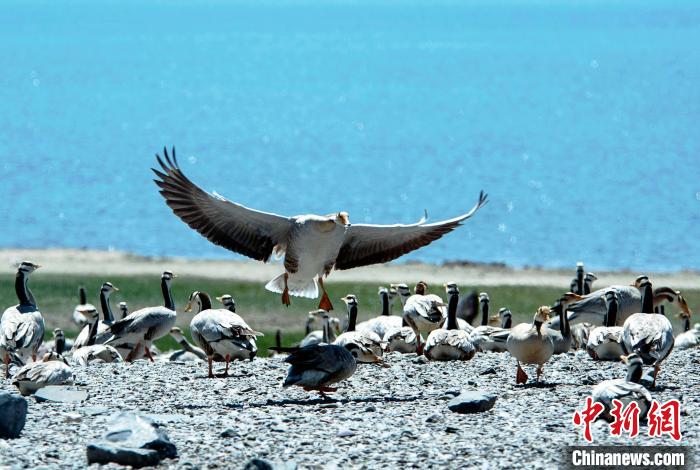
(92, 352)
(529, 344)
(142, 327)
(52, 370)
(689, 338)
(649, 335)
(21, 326)
(250, 347)
(402, 339)
(365, 346)
(578, 281)
(59, 344)
(317, 336)
(103, 332)
(486, 337)
(124, 309)
(78, 318)
(625, 390)
(450, 343)
(220, 331)
(312, 245)
(383, 322)
(605, 342)
(189, 352)
(562, 338)
(424, 312)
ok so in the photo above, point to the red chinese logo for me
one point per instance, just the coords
(665, 419)
(587, 416)
(625, 419)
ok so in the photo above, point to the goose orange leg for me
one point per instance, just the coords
(6, 360)
(520, 375)
(148, 354)
(285, 293)
(211, 373)
(325, 302)
(228, 359)
(130, 356)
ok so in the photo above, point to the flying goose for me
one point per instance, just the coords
(383, 322)
(689, 338)
(626, 390)
(103, 332)
(78, 318)
(124, 309)
(220, 331)
(312, 245)
(423, 312)
(449, 343)
(365, 346)
(52, 370)
(92, 352)
(142, 327)
(21, 326)
(529, 344)
(649, 335)
(189, 352)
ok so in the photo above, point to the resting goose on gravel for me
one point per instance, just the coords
(626, 390)
(142, 327)
(579, 334)
(491, 338)
(21, 326)
(124, 309)
(79, 319)
(189, 352)
(365, 346)
(529, 344)
(605, 342)
(92, 353)
(59, 344)
(312, 245)
(52, 370)
(562, 337)
(424, 312)
(449, 343)
(316, 336)
(103, 331)
(220, 331)
(383, 322)
(689, 338)
(649, 335)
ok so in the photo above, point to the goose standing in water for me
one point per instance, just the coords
(383, 322)
(312, 245)
(626, 390)
(124, 309)
(649, 335)
(103, 332)
(142, 327)
(424, 312)
(529, 344)
(689, 338)
(189, 352)
(365, 346)
(78, 318)
(21, 326)
(450, 343)
(52, 370)
(220, 331)
(91, 352)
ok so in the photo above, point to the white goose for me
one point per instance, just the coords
(486, 337)
(383, 322)
(424, 312)
(52, 370)
(626, 390)
(142, 327)
(103, 332)
(689, 338)
(529, 344)
(78, 318)
(365, 346)
(21, 326)
(92, 353)
(605, 342)
(449, 343)
(312, 245)
(189, 352)
(250, 347)
(220, 331)
(317, 336)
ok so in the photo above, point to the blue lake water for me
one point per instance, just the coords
(580, 119)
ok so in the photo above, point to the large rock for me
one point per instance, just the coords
(13, 414)
(60, 394)
(472, 402)
(133, 440)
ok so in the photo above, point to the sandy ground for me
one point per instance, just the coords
(63, 261)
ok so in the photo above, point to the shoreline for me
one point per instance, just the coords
(95, 262)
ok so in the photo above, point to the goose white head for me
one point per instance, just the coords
(342, 218)
(123, 306)
(177, 334)
(590, 277)
(541, 316)
(402, 291)
(484, 297)
(640, 281)
(227, 301)
(451, 288)
(28, 267)
(108, 288)
(168, 276)
(90, 313)
(349, 300)
(200, 299)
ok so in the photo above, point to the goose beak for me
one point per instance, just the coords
(624, 359)
(116, 289)
(220, 299)
(188, 308)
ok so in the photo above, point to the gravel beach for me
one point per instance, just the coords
(393, 417)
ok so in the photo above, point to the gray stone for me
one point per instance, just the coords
(60, 394)
(472, 402)
(103, 454)
(258, 464)
(13, 415)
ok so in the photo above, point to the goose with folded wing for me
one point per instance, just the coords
(312, 245)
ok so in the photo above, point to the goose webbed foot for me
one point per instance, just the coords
(285, 293)
(520, 375)
(228, 359)
(539, 373)
(133, 352)
(325, 303)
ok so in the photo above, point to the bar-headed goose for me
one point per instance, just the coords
(52, 370)
(529, 344)
(577, 282)
(189, 352)
(59, 344)
(486, 337)
(562, 337)
(124, 309)
(365, 346)
(689, 338)
(220, 331)
(142, 327)
(92, 353)
(424, 312)
(21, 326)
(317, 336)
(626, 390)
(103, 331)
(649, 335)
(384, 321)
(605, 342)
(449, 343)
(78, 318)
(312, 245)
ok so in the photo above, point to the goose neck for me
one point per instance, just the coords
(352, 317)
(24, 295)
(168, 301)
(106, 307)
(452, 312)
(385, 302)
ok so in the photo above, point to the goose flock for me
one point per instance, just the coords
(632, 327)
